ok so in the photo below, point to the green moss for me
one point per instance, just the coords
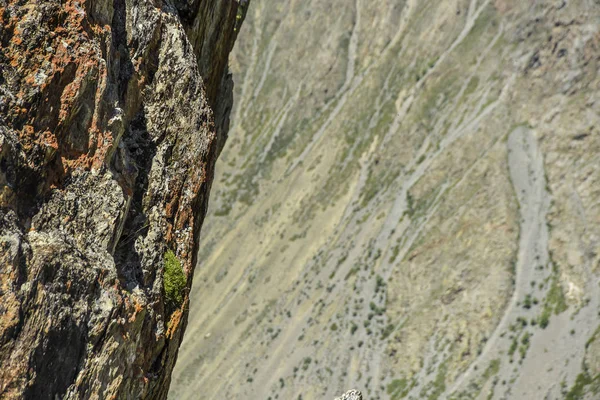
(173, 280)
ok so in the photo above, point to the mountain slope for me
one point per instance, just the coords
(408, 205)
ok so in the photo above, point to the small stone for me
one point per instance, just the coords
(351, 395)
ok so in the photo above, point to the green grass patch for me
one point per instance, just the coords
(513, 347)
(398, 389)
(387, 331)
(438, 386)
(583, 385)
(525, 343)
(173, 280)
(545, 317)
(471, 86)
(556, 297)
(492, 369)
(395, 252)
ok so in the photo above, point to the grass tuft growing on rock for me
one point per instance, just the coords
(173, 280)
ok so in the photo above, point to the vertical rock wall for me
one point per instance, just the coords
(112, 114)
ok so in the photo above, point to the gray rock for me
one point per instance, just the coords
(112, 114)
(351, 395)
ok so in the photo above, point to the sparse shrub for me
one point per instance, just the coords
(527, 302)
(513, 347)
(387, 331)
(379, 283)
(306, 363)
(522, 321)
(545, 318)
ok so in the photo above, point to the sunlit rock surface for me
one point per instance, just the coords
(112, 114)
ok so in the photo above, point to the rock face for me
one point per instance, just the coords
(112, 115)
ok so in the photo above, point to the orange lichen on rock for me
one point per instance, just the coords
(174, 322)
(109, 142)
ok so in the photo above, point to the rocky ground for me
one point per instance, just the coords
(409, 205)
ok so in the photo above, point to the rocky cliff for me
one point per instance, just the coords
(112, 115)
